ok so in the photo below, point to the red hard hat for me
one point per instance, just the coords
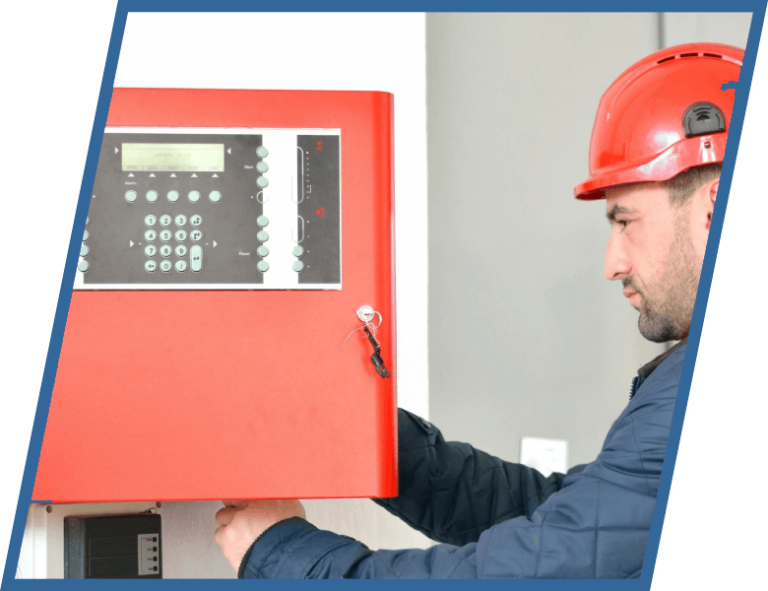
(664, 115)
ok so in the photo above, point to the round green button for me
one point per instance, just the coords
(173, 196)
(262, 152)
(298, 266)
(130, 196)
(262, 221)
(151, 196)
(214, 196)
(83, 266)
(165, 266)
(262, 250)
(262, 236)
(262, 181)
(298, 251)
(84, 250)
(263, 266)
(262, 166)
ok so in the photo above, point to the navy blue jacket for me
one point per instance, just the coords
(496, 519)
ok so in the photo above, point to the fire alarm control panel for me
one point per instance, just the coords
(215, 346)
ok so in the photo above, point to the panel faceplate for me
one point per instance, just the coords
(195, 208)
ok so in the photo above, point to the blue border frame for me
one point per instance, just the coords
(714, 456)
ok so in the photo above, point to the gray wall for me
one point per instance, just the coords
(526, 336)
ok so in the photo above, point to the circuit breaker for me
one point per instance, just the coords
(113, 547)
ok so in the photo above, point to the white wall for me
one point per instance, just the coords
(526, 337)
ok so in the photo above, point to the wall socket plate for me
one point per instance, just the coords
(544, 455)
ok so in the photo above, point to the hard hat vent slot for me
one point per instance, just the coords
(703, 118)
(718, 56)
(666, 59)
(689, 54)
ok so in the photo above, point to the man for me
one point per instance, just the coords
(655, 157)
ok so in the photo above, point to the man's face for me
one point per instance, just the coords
(654, 252)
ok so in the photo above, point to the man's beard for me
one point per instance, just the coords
(666, 304)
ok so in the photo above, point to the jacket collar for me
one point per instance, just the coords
(649, 367)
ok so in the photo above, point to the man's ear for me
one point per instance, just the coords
(710, 195)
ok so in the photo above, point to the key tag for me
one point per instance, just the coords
(366, 314)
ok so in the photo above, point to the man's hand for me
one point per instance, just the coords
(242, 522)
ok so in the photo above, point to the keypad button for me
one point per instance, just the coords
(150, 220)
(180, 250)
(262, 181)
(298, 251)
(150, 235)
(152, 196)
(196, 235)
(83, 266)
(214, 196)
(87, 219)
(150, 266)
(166, 266)
(181, 266)
(196, 220)
(181, 235)
(165, 220)
(84, 250)
(263, 266)
(262, 250)
(262, 166)
(262, 152)
(150, 250)
(165, 235)
(166, 250)
(130, 196)
(298, 266)
(86, 235)
(180, 220)
(262, 236)
(196, 258)
(173, 196)
(194, 196)
(262, 221)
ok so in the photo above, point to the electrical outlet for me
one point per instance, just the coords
(544, 455)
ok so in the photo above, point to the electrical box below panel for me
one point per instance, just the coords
(113, 547)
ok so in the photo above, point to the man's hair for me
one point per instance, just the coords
(685, 184)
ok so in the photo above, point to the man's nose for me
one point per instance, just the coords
(617, 265)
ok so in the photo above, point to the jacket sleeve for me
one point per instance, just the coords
(452, 492)
(596, 526)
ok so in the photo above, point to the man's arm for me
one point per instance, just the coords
(596, 526)
(453, 492)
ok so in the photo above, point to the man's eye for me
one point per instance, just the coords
(622, 223)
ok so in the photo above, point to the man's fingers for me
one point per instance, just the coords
(225, 516)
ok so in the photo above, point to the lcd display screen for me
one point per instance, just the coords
(173, 157)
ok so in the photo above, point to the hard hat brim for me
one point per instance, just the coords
(697, 151)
